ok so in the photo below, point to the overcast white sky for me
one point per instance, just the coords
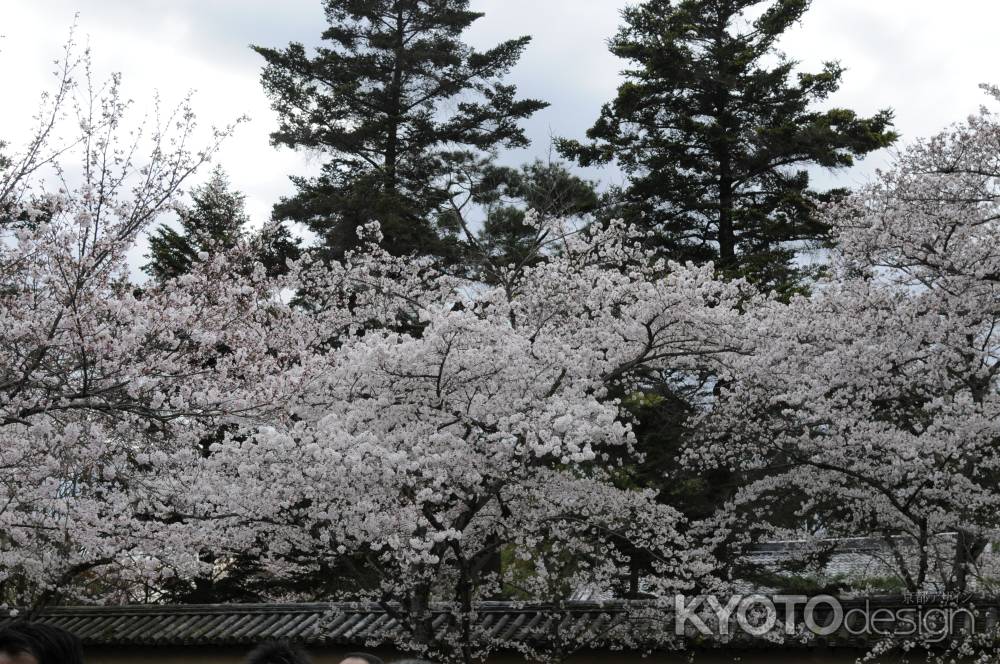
(924, 58)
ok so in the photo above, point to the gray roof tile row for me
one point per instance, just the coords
(342, 624)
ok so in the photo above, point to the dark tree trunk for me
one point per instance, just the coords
(395, 105)
(727, 236)
(968, 548)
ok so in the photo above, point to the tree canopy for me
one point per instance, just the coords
(716, 132)
(215, 222)
(390, 101)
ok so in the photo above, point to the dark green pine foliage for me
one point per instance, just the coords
(391, 100)
(715, 131)
(214, 221)
(507, 194)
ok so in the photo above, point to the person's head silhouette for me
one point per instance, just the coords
(360, 658)
(278, 653)
(38, 643)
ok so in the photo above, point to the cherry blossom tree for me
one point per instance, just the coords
(104, 387)
(479, 427)
(874, 403)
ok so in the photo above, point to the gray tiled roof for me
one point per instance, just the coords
(348, 624)
(360, 625)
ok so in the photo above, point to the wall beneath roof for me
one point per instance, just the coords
(203, 655)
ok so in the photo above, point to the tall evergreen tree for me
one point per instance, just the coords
(214, 221)
(391, 100)
(715, 132)
(506, 195)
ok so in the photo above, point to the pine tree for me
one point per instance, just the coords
(214, 221)
(506, 194)
(715, 132)
(391, 100)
